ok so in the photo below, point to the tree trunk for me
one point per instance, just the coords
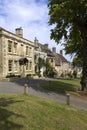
(84, 72)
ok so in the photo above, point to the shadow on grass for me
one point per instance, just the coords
(60, 87)
(5, 122)
(45, 86)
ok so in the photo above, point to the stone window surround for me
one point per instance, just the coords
(15, 47)
(10, 62)
(13, 51)
(15, 65)
(9, 46)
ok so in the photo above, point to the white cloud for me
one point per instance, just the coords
(32, 16)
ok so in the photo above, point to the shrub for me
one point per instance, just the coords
(62, 75)
(75, 74)
(39, 75)
(10, 75)
(29, 75)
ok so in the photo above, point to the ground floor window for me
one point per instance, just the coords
(9, 65)
(27, 66)
(15, 65)
(30, 66)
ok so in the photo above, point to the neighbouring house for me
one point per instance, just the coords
(78, 70)
(39, 57)
(14, 49)
(62, 66)
(50, 56)
(57, 61)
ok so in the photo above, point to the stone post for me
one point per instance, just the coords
(68, 99)
(25, 89)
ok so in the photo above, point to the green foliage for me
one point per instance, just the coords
(67, 14)
(12, 75)
(62, 86)
(17, 76)
(75, 74)
(69, 18)
(77, 61)
(38, 74)
(50, 71)
(23, 61)
(62, 75)
(41, 63)
(29, 75)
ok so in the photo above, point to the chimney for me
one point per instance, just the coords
(54, 50)
(46, 46)
(61, 52)
(19, 32)
(36, 42)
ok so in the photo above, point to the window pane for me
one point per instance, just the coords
(26, 50)
(15, 47)
(9, 46)
(15, 65)
(26, 66)
(10, 65)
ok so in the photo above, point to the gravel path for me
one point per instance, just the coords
(16, 87)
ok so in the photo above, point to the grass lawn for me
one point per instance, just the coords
(22, 112)
(61, 86)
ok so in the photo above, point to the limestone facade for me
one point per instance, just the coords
(57, 60)
(62, 66)
(13, 47)
(38, 53)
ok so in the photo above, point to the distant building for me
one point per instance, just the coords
(39, 54)
(14, 47)
(62, 66)
(57, 61)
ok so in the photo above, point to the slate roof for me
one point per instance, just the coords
(59, 58)
(46, 50)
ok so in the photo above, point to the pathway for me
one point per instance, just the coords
(16, 87)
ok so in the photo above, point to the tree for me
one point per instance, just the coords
(23, 61)
(69, 18)
(50, 71)
(77, 61)
(40, 63)
(75, 73)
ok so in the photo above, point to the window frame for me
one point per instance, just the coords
(15, 47)
(9, 46)
(15, 65)
(10, 62)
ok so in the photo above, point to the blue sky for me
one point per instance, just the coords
(31, 15)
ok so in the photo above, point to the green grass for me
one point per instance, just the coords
(62, 86)
(22, 112)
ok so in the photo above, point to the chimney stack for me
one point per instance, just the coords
(45, 46)
(19, 32)
(54, 50)
(36, 42)
(61, 52)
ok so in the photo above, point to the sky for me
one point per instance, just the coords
(32, 16)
